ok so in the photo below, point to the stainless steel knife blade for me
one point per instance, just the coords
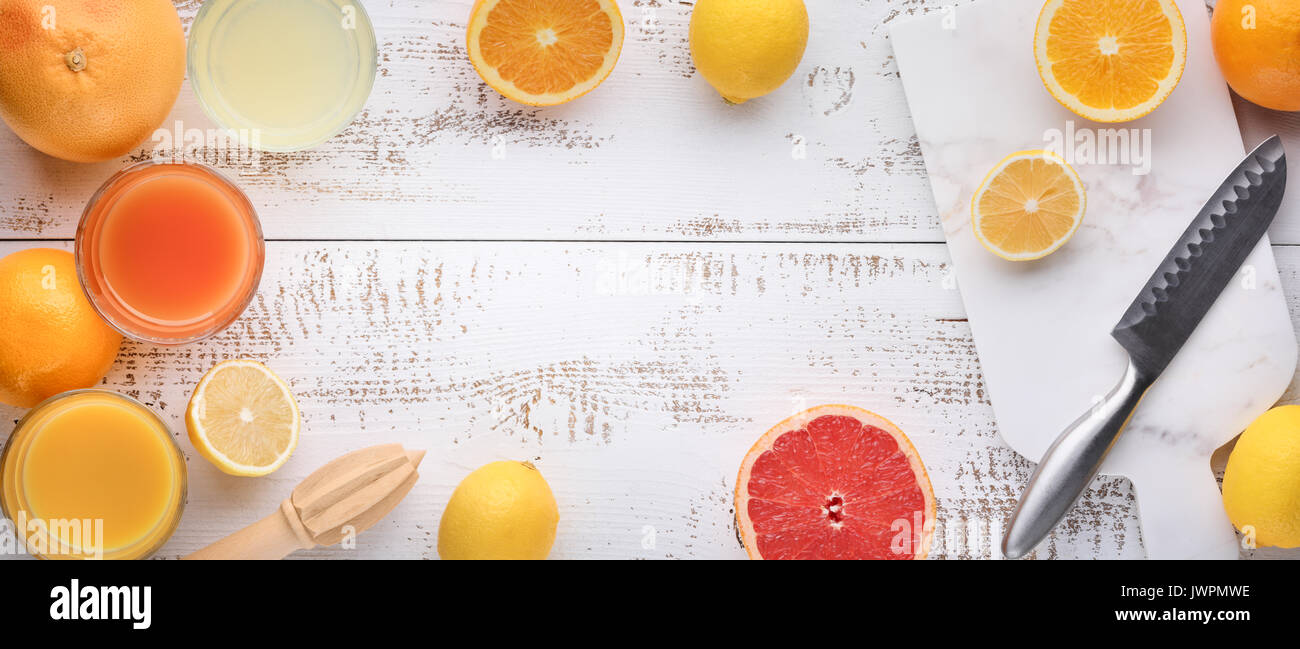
(1204, 260)
(1152, 331)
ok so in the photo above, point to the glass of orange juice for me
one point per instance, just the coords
(170, 253)
(92, 474)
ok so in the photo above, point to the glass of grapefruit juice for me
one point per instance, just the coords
(169, 253)
(92, 474)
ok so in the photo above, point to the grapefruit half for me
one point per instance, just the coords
(834, 482)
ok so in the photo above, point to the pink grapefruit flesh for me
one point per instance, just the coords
(834, 482)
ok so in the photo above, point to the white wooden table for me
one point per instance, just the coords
(627, 290)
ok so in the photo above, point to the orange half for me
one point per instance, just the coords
(544, 53)
(1110, 60)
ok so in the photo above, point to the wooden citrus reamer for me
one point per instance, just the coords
(355, 491)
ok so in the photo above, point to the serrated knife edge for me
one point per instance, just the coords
(1199, 266)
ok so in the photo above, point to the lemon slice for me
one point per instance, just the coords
(1028, 206)
(243, 418)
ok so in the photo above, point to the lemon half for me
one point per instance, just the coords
(1028, 206)
(243, 418)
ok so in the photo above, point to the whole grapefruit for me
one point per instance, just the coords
(1257, 44)
(88, 80)
(51, 339)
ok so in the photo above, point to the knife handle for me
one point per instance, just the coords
(1070, 464)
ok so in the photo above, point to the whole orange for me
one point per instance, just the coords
(51, 339)
(88, 80)
(1257, 44)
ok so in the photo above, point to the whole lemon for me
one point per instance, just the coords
(51, 339)
(1261, 486)
(1257, 45)
(504, 510)
(748, 48)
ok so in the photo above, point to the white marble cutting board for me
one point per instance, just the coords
(1042, 328)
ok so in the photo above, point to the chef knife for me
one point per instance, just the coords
(1154, 328)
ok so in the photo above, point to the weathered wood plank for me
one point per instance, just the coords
(635, 375)
(653, 154)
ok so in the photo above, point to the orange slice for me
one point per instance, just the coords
(834, 482)
(544, 53)
(1028, 206)
(1110, 60)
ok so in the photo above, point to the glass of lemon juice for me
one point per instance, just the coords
(285, 75)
